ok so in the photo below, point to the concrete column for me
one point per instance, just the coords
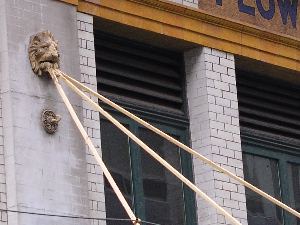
(3, 196)
(3, 68)
(44, 173)
(215, 132)
(90, 117)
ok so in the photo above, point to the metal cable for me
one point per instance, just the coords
(74, 216)
(184, 147)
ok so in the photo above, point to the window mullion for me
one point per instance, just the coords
(284, 187)
(136, 176)
(189, 195)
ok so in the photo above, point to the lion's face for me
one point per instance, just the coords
(43, 53)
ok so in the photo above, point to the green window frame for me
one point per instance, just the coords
(172, 127)
(285, 155)
(149, 81)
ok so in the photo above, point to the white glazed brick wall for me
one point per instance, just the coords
(190, 3)
(91, 120)
(215, 132)
(3, 202)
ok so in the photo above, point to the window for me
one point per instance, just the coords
(149, 82)
(156, 195)
(276, 170)
(270, 130)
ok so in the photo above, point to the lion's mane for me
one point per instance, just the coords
(43, 53)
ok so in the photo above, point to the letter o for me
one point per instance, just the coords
(267, 14)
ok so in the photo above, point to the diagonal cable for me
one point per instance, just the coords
(152, 153)
(184, 147)
(92, 148)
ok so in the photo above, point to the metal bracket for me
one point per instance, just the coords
(50, 121)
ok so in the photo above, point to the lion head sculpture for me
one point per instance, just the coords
(43, 53)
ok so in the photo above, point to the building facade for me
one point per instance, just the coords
(220, 76)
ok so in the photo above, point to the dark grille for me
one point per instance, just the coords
(133, 73)
(269, 105)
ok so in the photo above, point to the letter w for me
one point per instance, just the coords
(288, 7)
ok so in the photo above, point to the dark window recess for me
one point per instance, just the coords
(294, 170)
(115, 143)
(164, 200)
(260, 210)
(270, 129)
(141, 75)
(268, 106)
(148, 81)
(154, 193)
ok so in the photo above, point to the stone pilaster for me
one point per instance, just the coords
(91, 119)
(215, 132)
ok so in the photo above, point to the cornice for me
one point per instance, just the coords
(221, 21)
